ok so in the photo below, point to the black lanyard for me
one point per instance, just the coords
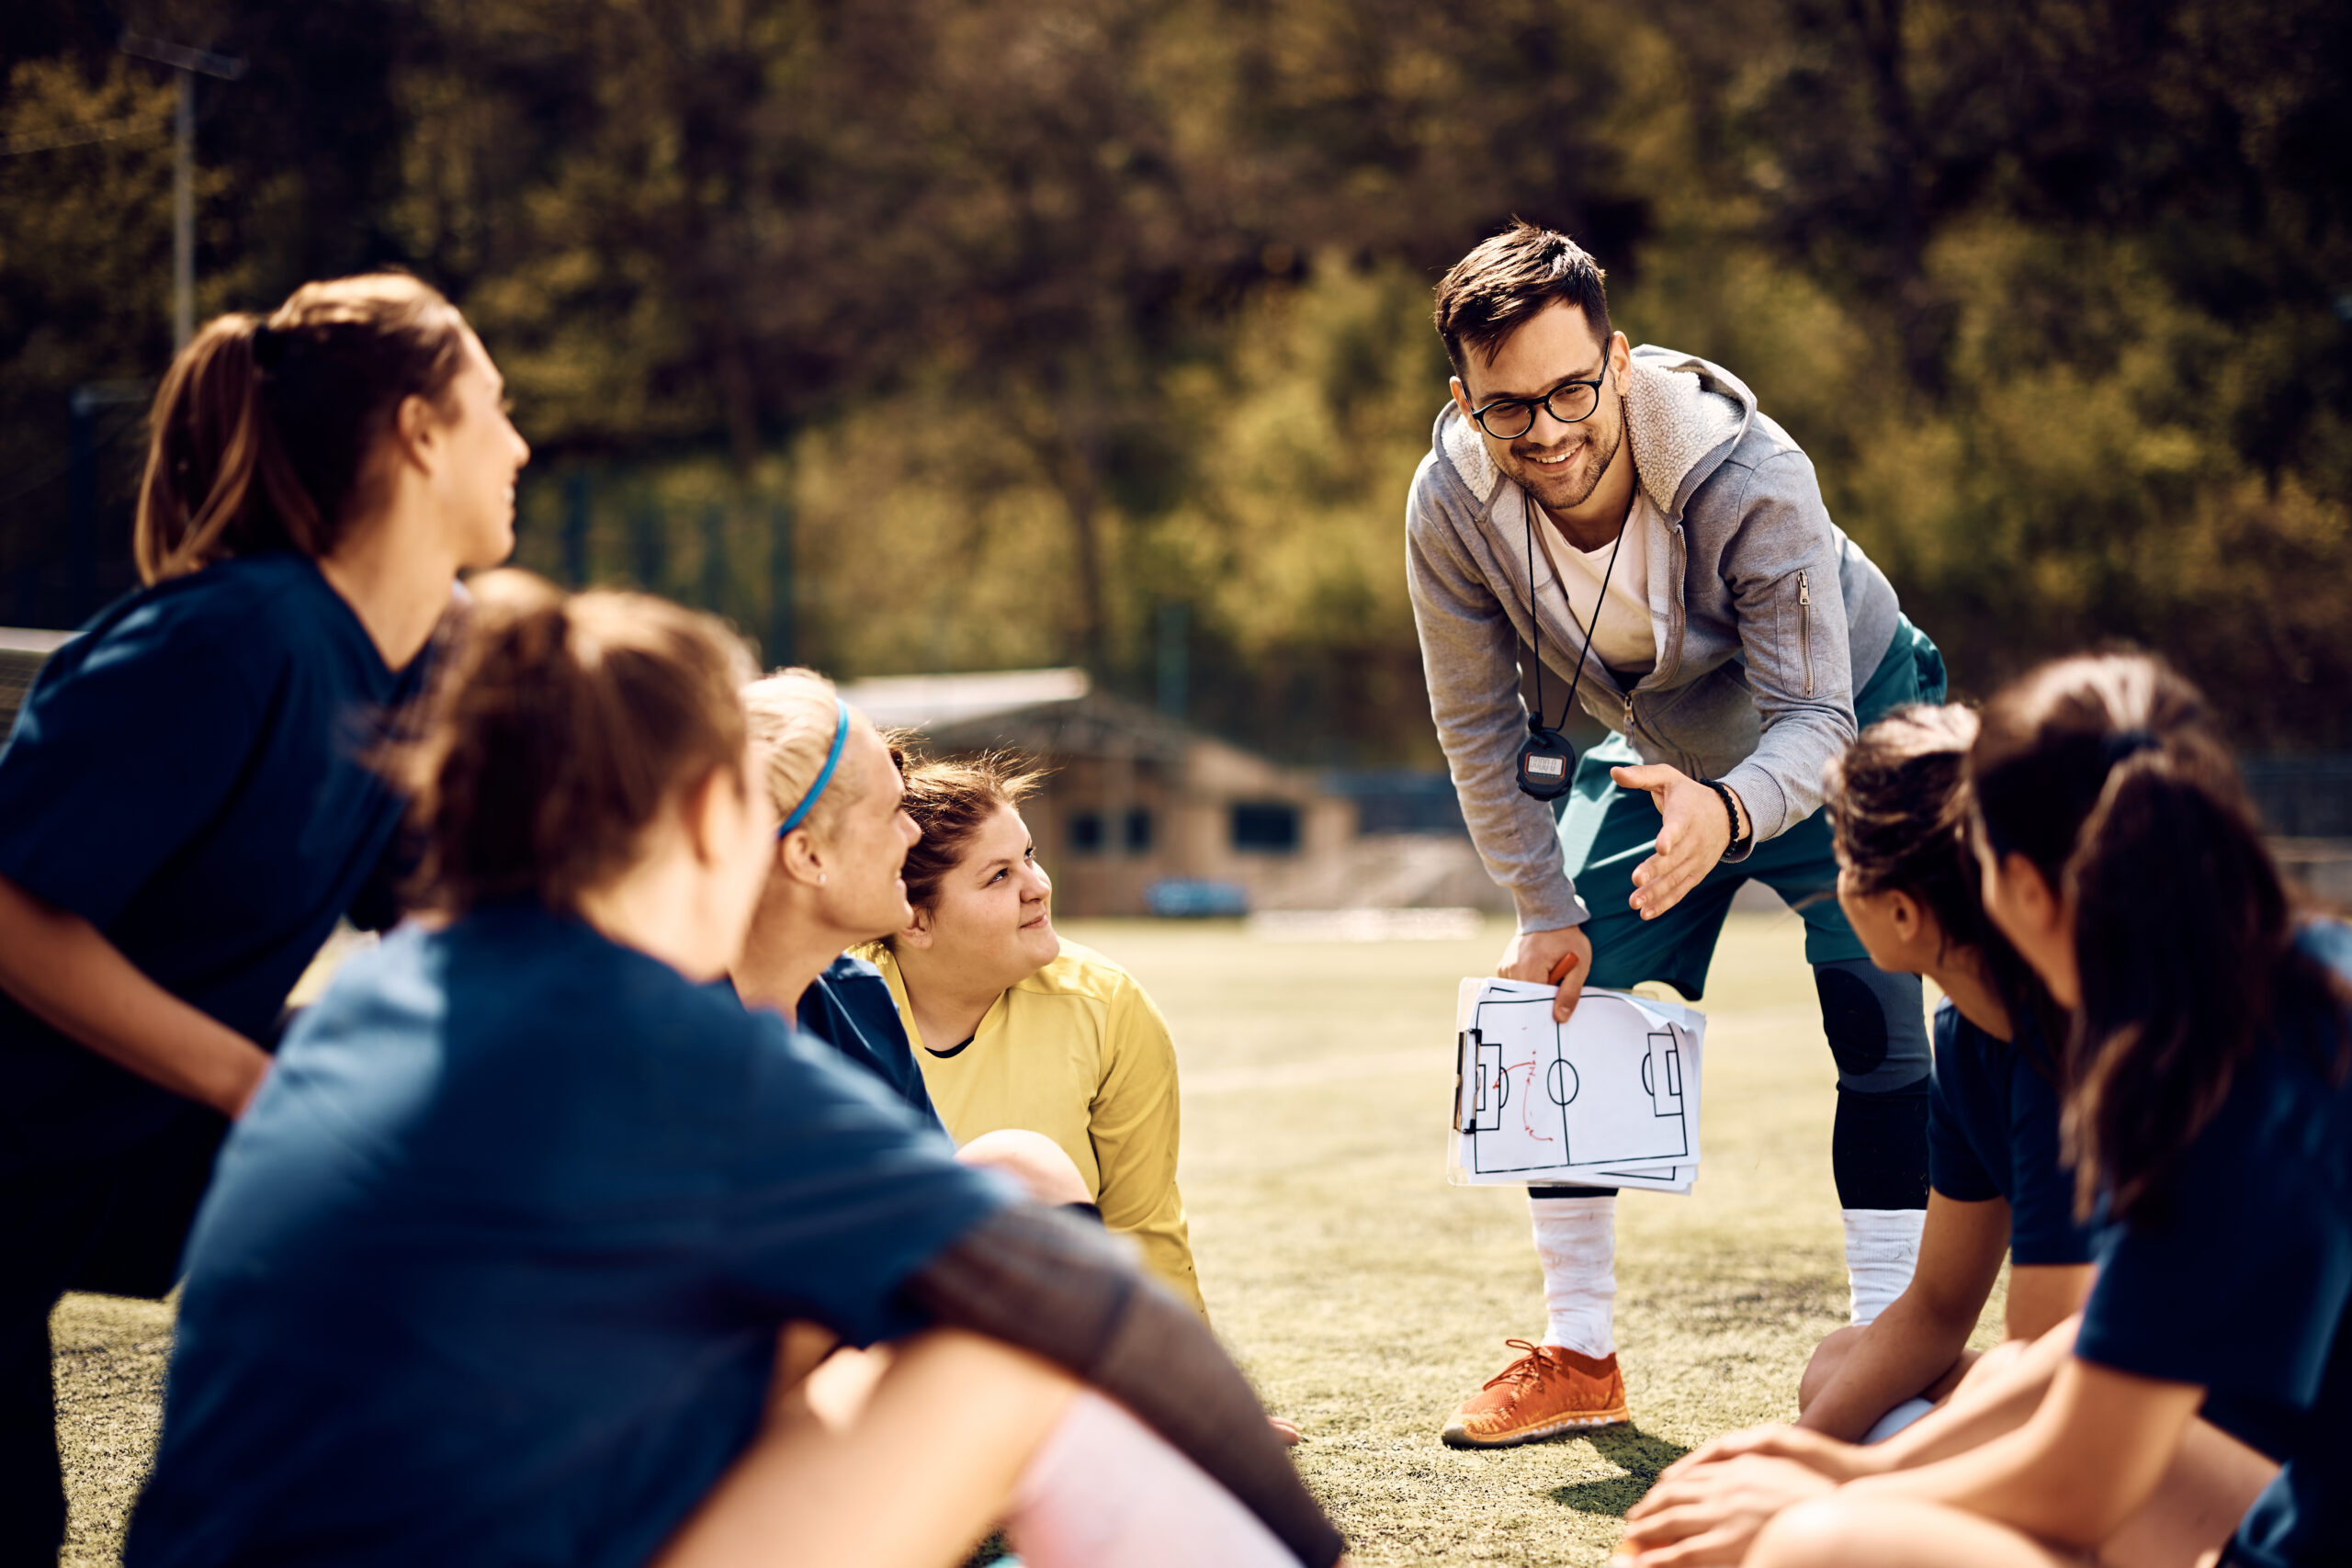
(1547, 762)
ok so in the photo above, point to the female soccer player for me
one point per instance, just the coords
(1908, 882)
(1015, 1027)
(185, 808)
(2209, 1111)
(836, 884)
(494, 1266)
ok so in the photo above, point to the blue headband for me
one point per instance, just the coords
(825, 773)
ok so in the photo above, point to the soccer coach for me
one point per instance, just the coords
(1630, 515)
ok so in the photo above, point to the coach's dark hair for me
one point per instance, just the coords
(2108, 775)
(1898, 811)
(1509, 278)
(265, 429)
(559, 726)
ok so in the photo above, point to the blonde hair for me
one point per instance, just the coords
(793, 714)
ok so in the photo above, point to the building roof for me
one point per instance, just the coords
(1058, 713)
(933, 702)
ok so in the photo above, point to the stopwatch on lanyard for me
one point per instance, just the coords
(1547, 762)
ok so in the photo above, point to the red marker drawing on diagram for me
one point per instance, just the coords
(1527, 1101)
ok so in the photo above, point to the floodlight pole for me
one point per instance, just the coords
(184, 216)
(186, 63)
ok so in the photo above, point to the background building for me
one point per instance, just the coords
(1142, 814)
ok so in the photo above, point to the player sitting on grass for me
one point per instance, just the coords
(1909, 881)
(494, 1266)
(2207, 1106)
(835, 884)
(1015, 1027)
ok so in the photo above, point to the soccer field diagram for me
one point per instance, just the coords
(1611, 1092)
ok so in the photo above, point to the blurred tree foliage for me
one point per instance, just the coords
(938, 334)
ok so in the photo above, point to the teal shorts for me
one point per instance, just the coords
(1606, 831)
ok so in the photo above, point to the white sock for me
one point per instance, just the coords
(1882, 1249)
(1894, 1420)
(1576, 1240)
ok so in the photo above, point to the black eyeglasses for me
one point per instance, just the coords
(1570, 402)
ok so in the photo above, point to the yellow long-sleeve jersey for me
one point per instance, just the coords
(1077, 1053)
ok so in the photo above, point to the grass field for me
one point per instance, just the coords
(1364, 1296)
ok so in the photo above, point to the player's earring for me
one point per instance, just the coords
(820, 879)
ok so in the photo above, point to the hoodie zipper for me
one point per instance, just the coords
(1805, 625)
(1672, 661)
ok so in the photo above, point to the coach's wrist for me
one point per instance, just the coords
(1740, 828)
(1552, 909)
(1532, 954)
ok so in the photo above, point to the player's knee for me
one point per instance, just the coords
(1031, 1159)
(1995, 1364)
(1827, 1358)
(1823, 1532)
(1876, 1024)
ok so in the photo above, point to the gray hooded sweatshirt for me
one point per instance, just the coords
(1762, 608)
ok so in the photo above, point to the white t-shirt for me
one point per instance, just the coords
(1570, 579)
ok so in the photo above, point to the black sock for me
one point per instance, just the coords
(1878, 1150)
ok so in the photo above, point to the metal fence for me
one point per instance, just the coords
(2300, 798)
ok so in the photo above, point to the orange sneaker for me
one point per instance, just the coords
(1547, 1392)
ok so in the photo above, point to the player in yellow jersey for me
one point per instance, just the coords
(1015, 1027)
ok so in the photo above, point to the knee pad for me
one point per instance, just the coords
(1877, 1027)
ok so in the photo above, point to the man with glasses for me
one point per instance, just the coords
(1631, 518)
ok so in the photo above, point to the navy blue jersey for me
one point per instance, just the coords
(848, 1007)
(493, 1268)
(2242, 1284)
(189, 775)
(1993, 1133)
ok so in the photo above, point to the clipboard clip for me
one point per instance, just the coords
(1467, 1080)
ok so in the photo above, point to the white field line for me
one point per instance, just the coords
(1435, 1058)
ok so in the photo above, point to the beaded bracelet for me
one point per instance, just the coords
(1731, 815)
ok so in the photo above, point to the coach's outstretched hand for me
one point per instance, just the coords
(1561, 957)
(1694, 832)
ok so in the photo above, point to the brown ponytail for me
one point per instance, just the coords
(2109, 774)
(559, 729)
(265, 431)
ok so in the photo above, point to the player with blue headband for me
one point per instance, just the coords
(838, 885)
(825, 774)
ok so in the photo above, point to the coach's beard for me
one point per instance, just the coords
(1568, 485)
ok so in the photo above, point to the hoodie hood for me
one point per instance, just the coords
(1683, 416)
